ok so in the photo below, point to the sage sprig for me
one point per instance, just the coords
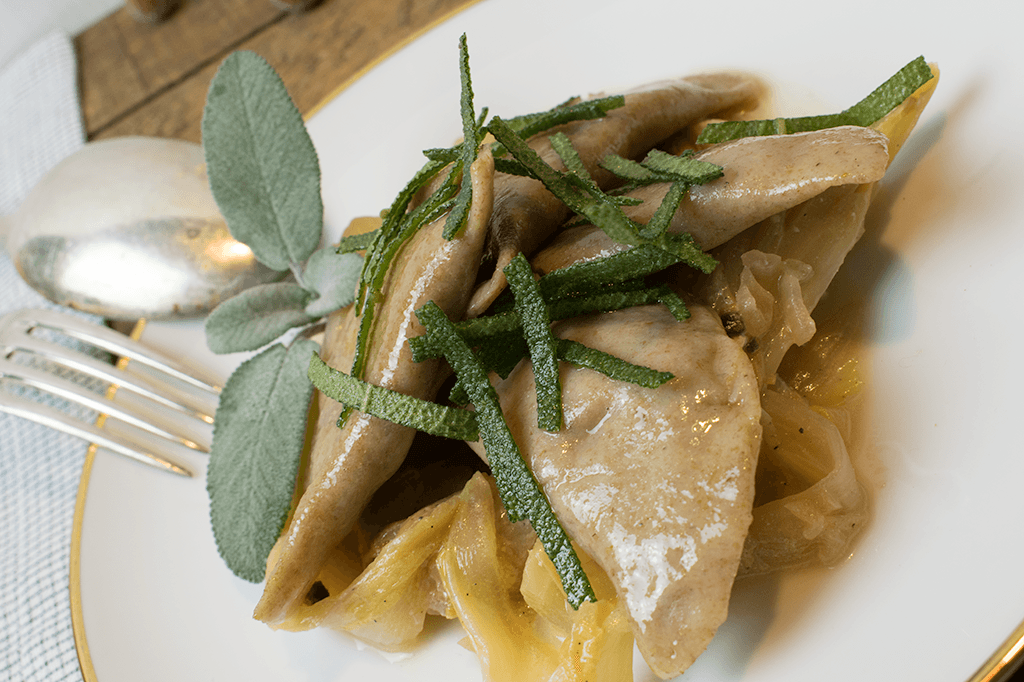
(265, 177)
(257, 316)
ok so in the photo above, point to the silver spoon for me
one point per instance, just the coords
(127, 228)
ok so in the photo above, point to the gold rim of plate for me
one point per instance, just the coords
(998, 668)
(75, 563)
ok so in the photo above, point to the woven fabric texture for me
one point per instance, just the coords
(40, 124)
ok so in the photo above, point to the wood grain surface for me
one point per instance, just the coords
(151, 79)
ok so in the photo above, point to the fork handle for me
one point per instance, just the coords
(55, 419)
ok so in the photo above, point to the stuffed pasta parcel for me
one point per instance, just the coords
(582, 389)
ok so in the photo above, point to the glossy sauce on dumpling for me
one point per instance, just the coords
(656, 485)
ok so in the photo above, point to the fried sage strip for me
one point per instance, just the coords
(423, 415)
(572, 110)
(452, 197)
(604, 284)
(661, 167)
(611, 366)
(519, 491)
(506, 355)
(536, 326)
(388, 238)
(357, 242)
(880, 102)
(478, 330)
(471, 137)
(601, 209)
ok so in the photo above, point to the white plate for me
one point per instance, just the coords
(934, 586)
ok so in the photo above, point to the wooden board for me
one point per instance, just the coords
(140, 79)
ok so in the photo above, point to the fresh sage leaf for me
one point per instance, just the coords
(258, 436)
(255, 317)
(263, 169)
(334, 277)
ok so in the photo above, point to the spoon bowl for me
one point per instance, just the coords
(127, 228)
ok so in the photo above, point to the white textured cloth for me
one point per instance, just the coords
(40, 116)
(40, 124)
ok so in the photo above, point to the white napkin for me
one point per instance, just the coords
(40, 124)
(40, 116)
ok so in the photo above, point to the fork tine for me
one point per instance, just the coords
(142, 425)
(72, 392)
(106, 339)
(55, 419)
(13, 340)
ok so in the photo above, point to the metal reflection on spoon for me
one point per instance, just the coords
(128, 228)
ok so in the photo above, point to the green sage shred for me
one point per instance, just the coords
(480, 329)
(563, 146)
(572, 110)
(660, 167)
(519, 491)
(609, 365)
(602, 210)
(603, 303)
(682, 168)
(444, 155)
(880, 102)
(357, 242)
(616, 268)
(659, 222)
(511, 167)
(533, 315)
(468, 149)
(399, 226)
(674, 303)
(423, 415)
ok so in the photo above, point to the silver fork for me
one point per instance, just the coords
(161, 406)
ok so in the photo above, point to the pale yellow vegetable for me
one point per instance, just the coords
(481, 577)
(596, 640)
